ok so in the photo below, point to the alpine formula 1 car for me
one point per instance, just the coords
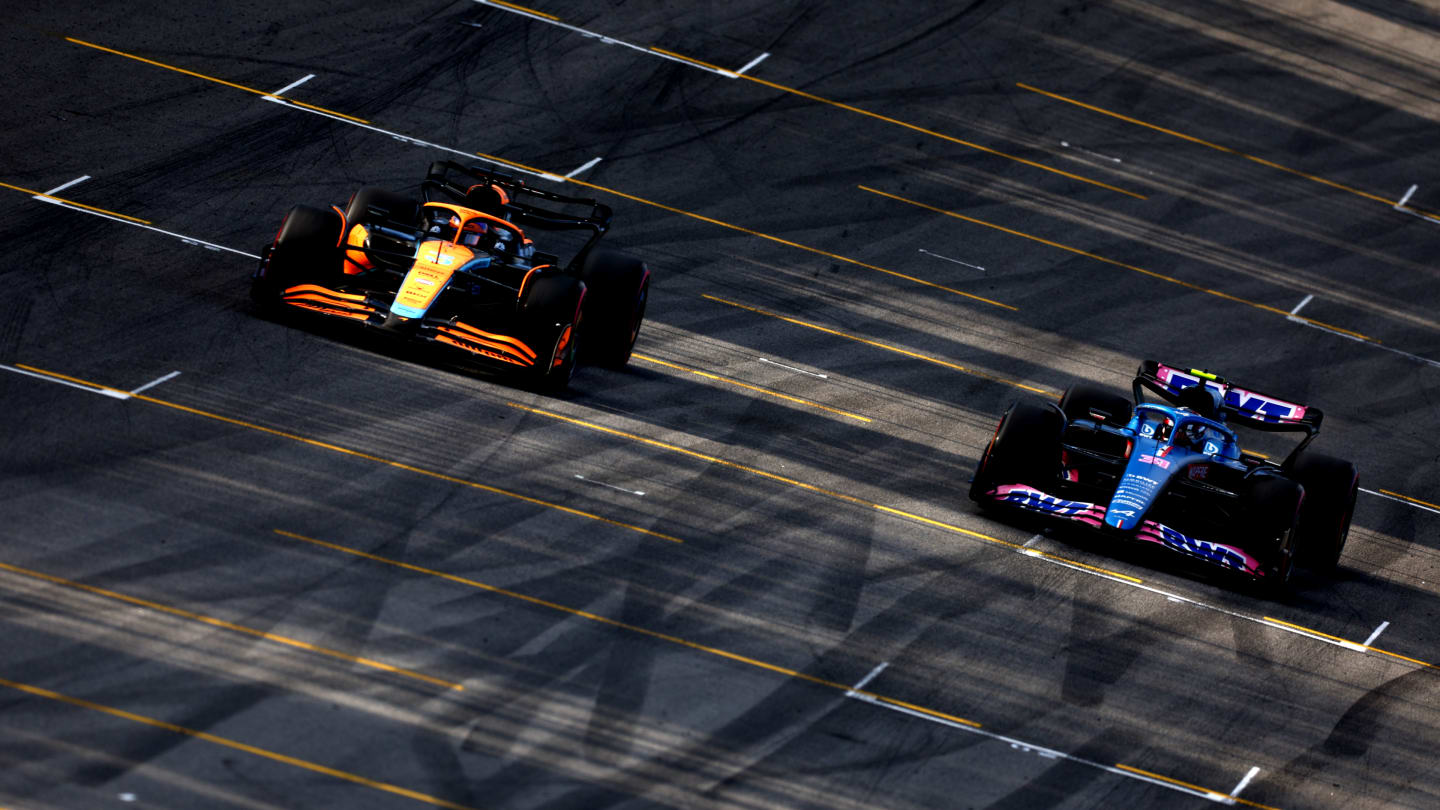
(1172, 473)
(458, 269)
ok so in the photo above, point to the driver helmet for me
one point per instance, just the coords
(1201, 400)
(1192, 434)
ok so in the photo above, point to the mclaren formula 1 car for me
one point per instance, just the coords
(458, 269)
(1172, 473)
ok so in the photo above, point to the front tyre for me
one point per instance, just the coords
(1272, 509)
(305, 249)
(553, 305)
(1024, 450)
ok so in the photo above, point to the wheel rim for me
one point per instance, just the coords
(1286, 565)
(562, 358)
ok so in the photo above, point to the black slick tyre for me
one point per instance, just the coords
(1081, 399)
(552, 308)
(1273, 506)
(1331, 485)
(304, 250)
(1024, 450)
(618, 290)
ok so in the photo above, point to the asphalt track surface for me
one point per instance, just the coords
(303, 569)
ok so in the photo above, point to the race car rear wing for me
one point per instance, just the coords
(1240, 406)
(473, 188)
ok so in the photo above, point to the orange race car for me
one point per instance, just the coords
(458, 268)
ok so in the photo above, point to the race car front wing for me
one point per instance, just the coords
(1093, 515)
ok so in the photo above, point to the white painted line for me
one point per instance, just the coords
(863, 682)
(1029, 748)
(1031, 541)
(729, 74)
(592, 162)
(1419, 506)
(1372, 344)
(1400, 206)
(948, 259)
(1301, 305)
(1376, 634)
(92, 389)
(1174, 597)
(1244, 782)
(1068, 145)
(416, 141)
(753, 62)
(291, 86)
(189, 240)
(1412, 212)
(612, 486)
(1338, 642)
(63, 186)
(147, 386)
(792, 368)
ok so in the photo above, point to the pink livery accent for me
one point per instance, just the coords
(1248, 403)
(1228, 556)
(1091, 514)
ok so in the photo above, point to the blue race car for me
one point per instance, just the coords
(1173, 473)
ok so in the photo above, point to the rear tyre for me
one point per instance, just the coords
(1080, 399)
(1331, 485)
(304, 250)
(1024, 450)
(398, 208)
(618, 290)
(552, 306)
(1272, 508)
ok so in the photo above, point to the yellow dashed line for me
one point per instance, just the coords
(35, 193)
(1410, 499)
(221, 623)
(1153, 775)
(1087, 254)
(819, 490)
(693, 61)
(1345, 641)
(786, 242)
(524, 9)
(1227, 150)
(932, 133)
(366, 456)
(766, 391)
(917, 355)
(209, 78)
(595, 617)
(582, 183)
(235, 745)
